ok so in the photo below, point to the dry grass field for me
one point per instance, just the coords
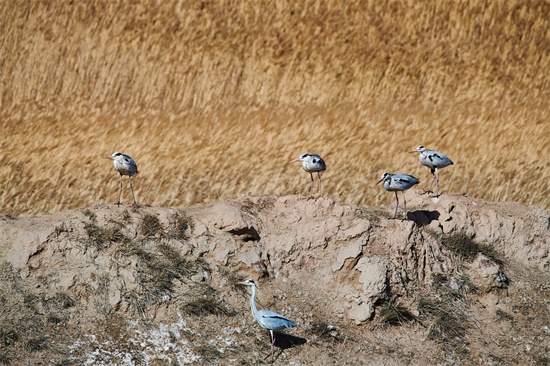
(214, 98)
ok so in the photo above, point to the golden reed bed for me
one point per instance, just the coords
(214, 98)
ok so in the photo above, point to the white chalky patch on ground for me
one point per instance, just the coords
(163, 342)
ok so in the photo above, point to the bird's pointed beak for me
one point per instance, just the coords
(381, 179)
(413, 151)
(239, 283)
(295, 160)
(109, 157)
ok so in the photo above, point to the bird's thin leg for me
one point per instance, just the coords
(431, 184)
(311, 188)
(132, 189)
(272, 347)
(396, 205)
(120, 191)
(272, 339)
(404, 204)
(319, 175)
(436, 182)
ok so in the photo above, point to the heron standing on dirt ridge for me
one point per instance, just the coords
(435, 161)
(312, 163)
(398, 182)
(124, 165)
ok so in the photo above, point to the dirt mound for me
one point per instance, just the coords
(462, 280)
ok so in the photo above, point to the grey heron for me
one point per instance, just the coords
(435, 161)
(267, 319)
(398, 182)
(125, 165)
(312, 163)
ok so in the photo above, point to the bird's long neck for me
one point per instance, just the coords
(253, 303)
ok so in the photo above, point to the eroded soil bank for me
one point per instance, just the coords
(461, 281)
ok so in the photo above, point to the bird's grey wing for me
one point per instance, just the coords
(318, 164)
(404, 180)
(275, 321)
(426, 160)
(322, 164)
(130, 165)
(438, 159)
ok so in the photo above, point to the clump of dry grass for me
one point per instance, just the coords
(60, 301)
(101, 237)
(465, 247)
(201, 95)
(158, 266)
(325, 331)
(207, 305)
(392, 313)
(150, 226)
(180, 225)
(209, 353)
(26, 319)
(447, 322)
(503, 315)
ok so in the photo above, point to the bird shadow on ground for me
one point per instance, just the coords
(285, 341)
(423, 217)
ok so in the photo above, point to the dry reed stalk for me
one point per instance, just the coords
(212, 99)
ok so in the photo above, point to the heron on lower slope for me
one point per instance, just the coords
(267, 319)
(435, 161)
(124, 165)
(398, 182)
(312, 163)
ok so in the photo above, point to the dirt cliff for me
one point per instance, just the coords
(462, 281)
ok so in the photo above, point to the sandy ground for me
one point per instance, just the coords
(462, 281)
